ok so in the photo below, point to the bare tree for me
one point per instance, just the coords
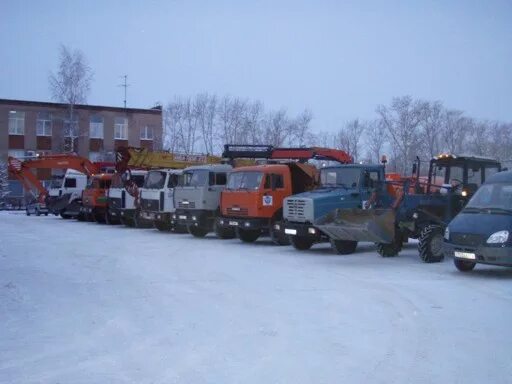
(403, 122)
(432, 124)
(349, 138)
(205, 107)
(276, 128)
(4, 182)
(252, 122)
(71, 85)
(456, 129)
(299, 129)
(375, 139)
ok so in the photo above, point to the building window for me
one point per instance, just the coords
(146, 133)
(121, 128)
(95, 156)
(44, 124)
(96, 127)
(71, 127)
(16, 153)
(16, 123)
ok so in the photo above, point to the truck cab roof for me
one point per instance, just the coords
(210, 167)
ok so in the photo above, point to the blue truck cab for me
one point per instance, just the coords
(341, 186)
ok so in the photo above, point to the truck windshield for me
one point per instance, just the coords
(497, 195)
(244, 180)
(155, 180)
(345, 177)
(196, 178)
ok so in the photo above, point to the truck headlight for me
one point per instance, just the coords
(311, 231)
(247, 224)
(174, 216)
(447, 233)
(498, 237)
(194, 218)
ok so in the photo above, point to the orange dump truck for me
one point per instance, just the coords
(94, 198)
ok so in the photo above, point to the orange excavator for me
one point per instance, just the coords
(65, 198)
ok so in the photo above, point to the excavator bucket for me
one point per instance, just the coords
(374, 225)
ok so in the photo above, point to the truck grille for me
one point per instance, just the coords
(295, 209)
(149, 205)
(237, 211)
(190, 205)
(469, 239)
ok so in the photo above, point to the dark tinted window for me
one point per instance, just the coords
(70, 183)
(173, 180)
(220, 179)
(278, 181)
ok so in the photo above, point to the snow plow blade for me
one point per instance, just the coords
(373, 225)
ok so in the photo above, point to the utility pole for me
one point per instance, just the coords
(125, 85)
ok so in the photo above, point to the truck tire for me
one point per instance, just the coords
(389, 250)
(430, 244)
(108, 218)
(37, 212)
(301, 243)
(80, 217)
(99, 218)
(343, 247)
(248, 235)
(278, 237)
(162, 226)
(197, 231)
(28, 213)
(224, 233)
(179, 228)
(464, 265)
(127, 222)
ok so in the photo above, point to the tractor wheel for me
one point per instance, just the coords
(278, 236)
(163, 226)
(224, 233)
(248, 235)
(431, 244)
(389, 250)
(464, 265)
(197, 231)
(343, 247)
(301, 243)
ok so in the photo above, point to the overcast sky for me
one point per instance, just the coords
(338, 58)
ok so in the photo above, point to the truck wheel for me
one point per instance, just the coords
(38, 213)
(197, 231)
(163, 226)
(343, 247)
(99, 218)
(80, 217)
(28, 213)
(431, 244)
(301, 243)
(126, 222)
(248, 235)
(224, 233)
(278, 236)
(389, 250)
(464, 265)
(177, 228)
(108, 218)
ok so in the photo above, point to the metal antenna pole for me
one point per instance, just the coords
(125, 85)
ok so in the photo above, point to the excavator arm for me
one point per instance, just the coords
(22, 170)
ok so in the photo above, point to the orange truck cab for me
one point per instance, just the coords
(252, 202)
(94, 198)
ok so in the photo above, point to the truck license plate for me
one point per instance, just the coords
(235, 223)
(290, 231)
(182, 217)
(465, 255)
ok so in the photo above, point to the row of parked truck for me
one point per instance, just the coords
(301, 196)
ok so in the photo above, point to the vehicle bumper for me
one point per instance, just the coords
(483, 254)
(194, 217)
(92, 210)
(303, 230)
(245, 223)
(155, 216)
(126, 213)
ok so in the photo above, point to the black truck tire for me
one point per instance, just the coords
(248, 235)
(162, 226)
(301, 243)
(99, 218)
(430, 244)
(343, 247)
(109, 219)
(127, 222)
(389, 250)
(197, 231)
(224, 233)
(464, 265)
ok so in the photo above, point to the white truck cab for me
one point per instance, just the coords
(122, 206)
(65, 194)
(157, 198)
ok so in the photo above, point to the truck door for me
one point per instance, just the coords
(370, 180)
(274, 192)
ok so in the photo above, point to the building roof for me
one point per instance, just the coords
(154, 111)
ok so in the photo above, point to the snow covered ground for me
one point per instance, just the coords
(88, 303)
